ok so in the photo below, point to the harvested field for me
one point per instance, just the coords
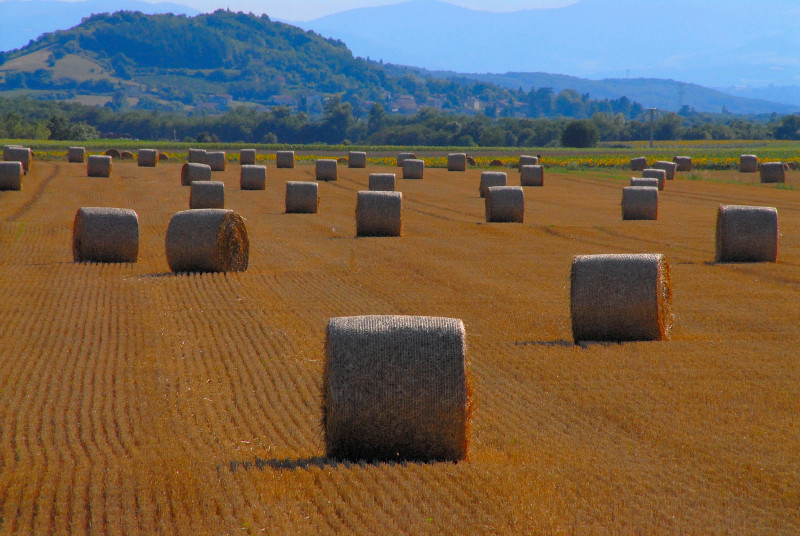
(135, 401)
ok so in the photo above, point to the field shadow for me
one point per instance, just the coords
(547, 344)
(294, 464)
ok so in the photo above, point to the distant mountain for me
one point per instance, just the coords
(786, 94)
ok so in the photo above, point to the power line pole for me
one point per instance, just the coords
(652, 115)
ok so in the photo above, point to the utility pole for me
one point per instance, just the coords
(652, 115)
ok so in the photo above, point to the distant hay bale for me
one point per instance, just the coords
(683, 163)
(659, 174)
(620, 298)
(491, 178)
(341, 160)
(76, 155)
(379, 214)
(197, 156)
(413, 168)
(102, 234)
(284, 159)
(527, 160)
(402, 157)
(471, 161)
(207, 194)
(639, 163)
(669, 167)
(531, 175)
(748, 163)
(207, 240)
(773, 172)
(162, 156)
(792, 165)
(147, 158)
(253, 177)
(126, 155)
(247, 157)
(11, 175)
(326, 169)
(217, 160)
(747, 234)
(113, 153)
(496, 163)
(302, 197)
(382, 182)
(396, 388)
(357, 159)
(505, 204)
(193, 171)
(98, 165)
(644, 181)
(19, 154)
(6, 148)
(640, 202)
(457, 162)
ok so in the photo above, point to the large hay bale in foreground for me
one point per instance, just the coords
(357, 159)
(682, 163)
(284, 159)
(253, 177)
(491, 178)
(644, 181)
(659, 174)
(197, 156)
(99, 165)
(395, 388)
(207, 194)
(527, 160)
(620, 298)
(247, 157)
(193, 171)
(147, 158)
(457, 162)
(669, 167)
(640, 202)
(382, 182)
(402, 157)
(76, 155)
(531, 175)
(217, 160)
(302, 197)
(207, 240)
(505, 204)
(773, 172)
(748, 163)
(639, 163)
(11, 175)
(379, 214)
(326, 169)
(747, 234)
(413, 168)
(19, 154)
(102, 234)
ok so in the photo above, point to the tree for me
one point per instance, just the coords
(580, 133)
(376, 119)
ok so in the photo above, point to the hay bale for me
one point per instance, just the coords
(773, 172)
(505, 204)
(491, 178)
(379, 214)
(643, 181)
(207, 240)
(531, 175)
(192, 171)
(413, 168)
(102, 234)
(207, 194)
(326, 169)
(792, 165)
(357, 159)
(659, 174)
(471, 161)
(457, 162)
(639, 163)
(247, 157)
(620, 298)
(747, 234)
(217, 160)
(162, 156)
(682, 163)
(527, 160)
(126, 155)
(302, 197)
(382, 182)
(669, 167)
(147, 158)
(253, 177)
(11, 175)
(640, 202)
(98, 165)
(6, 148)
(402, 157)
(76, 155)
(19, 154)
(197, 156)
(284, 159)
(748, 163)
(496, 163)
(396, 388)
(113, 153)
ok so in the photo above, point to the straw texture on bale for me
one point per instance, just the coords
(402, 157)
(382, 182)
(496, 163)
(6, 148)
(747, 234)
(326, 169)
(207, 194)
(11, 175)
(773, 172)
(147, 158)
(748, 163)
(457, 162)
(505, 204)
(197, 156)
(247, 157)
(471, 161)
(76, 155)
(396, 388)
(669, 167)
(19, 154)
(531, 175)
(113, 153)
(527, 160)
(98, 165)
(302, 197)
(492, 178)
(193, 171)
(284, 159)
(379, 214)
(620, 298)
(640, 202)
(659, 174)
(207, 240)
(217, 160)
(683, 163)
(357, 159)
(413, 168)
(639, 163)
(253, 177)
(126, 155)
(644, 181)
(102, 234)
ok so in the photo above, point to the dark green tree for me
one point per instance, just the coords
(580, 133)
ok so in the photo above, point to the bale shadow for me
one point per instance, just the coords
(548, 344)
(321, 462)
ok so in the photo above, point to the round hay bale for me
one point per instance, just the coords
(379, 214)
(126, 155)
(98, 165)
(683, 163)
(102, 234)
(253, 177)
(197, 156)
(496, 163)
(643, 181)
(747, 234)
(207, 240)
(620, 298)
(382, 182)
(19, 154)
(773, 172)
(357, 159)
(471, 161)
(492, 178)
(302, 197)
(326, 169)
(162, 156)
(192, 171)
(11, 175)
(113, 153)
(457, 162)
(76, 155)
(6, 148)
(639, 163)
(402, 157)
(207, 194)
(396, 388)
(640, 202)
(792, 165)
(748, 163)
(659, 174)
(341, 160)
(217, 160)
(505, 204)
(147, 158)
(284, 159)
(531, 175)
(669, 167)
(413, 168)
(527, 160)
(247, 157)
